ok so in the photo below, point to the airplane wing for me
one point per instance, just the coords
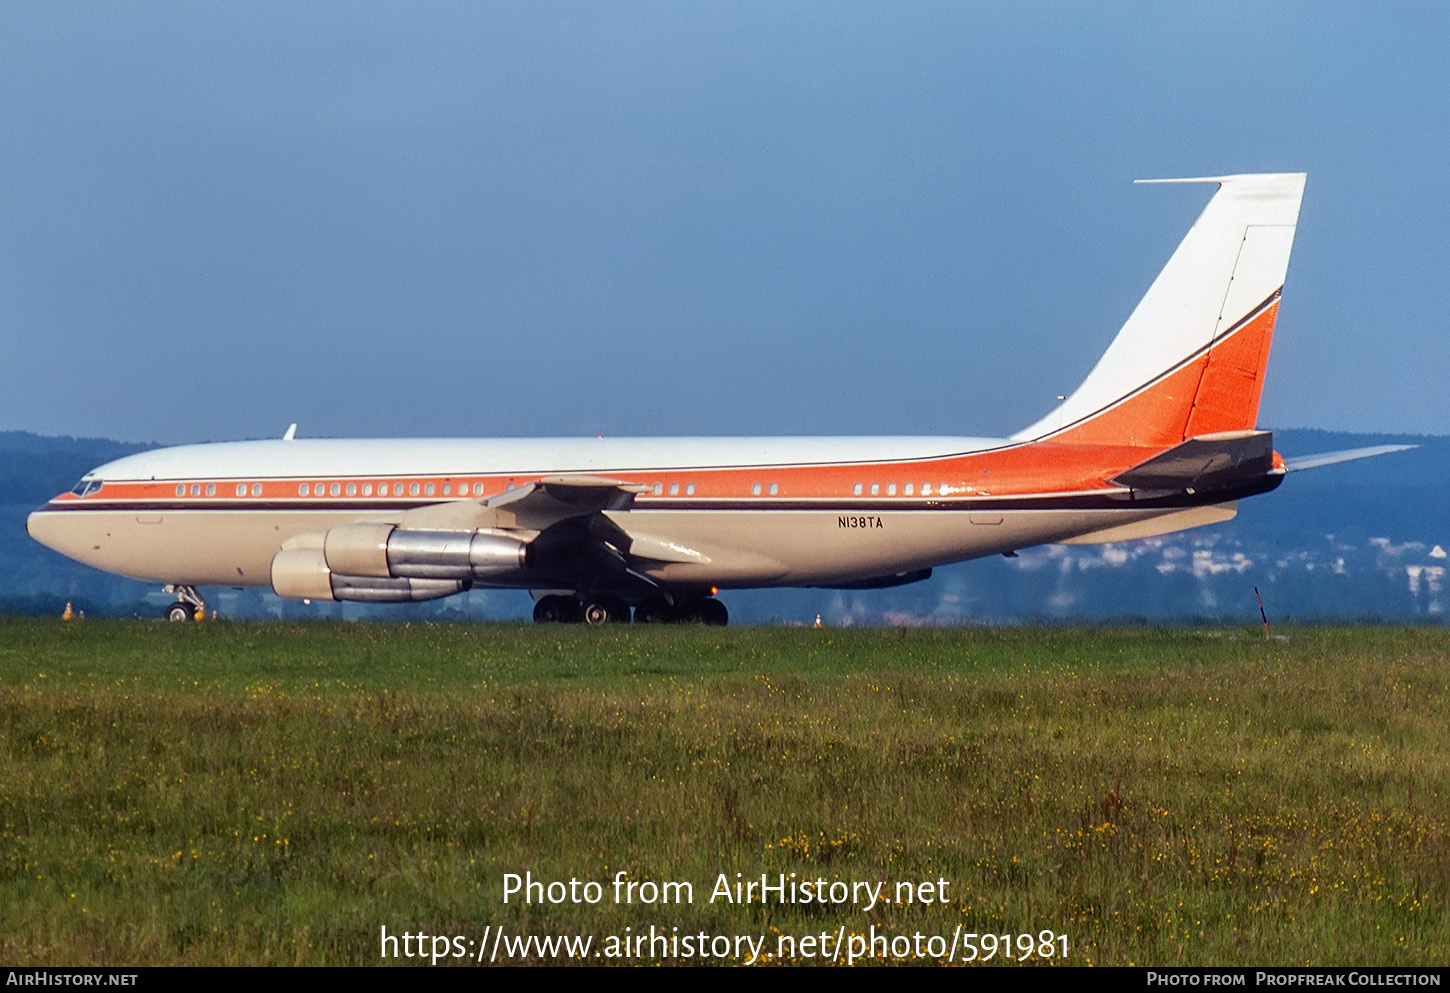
(531, 507)
(585, 517)
(583, 522)
(557, 524)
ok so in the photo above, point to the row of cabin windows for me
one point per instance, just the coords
(908, 490)
(336, 489)
(430, 489)
(398, 489)
(196, 489)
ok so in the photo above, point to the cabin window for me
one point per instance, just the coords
(447, 489)
(303, 490)
(909, 489)
(256, 489)
(367, 489)
(335, 489)
(755, 490)
(689, 489)
(856, 490)
(891, 489)
(674, 489)
(181, 489)
(657, 489)
(352, 489)
(478, 489)
(875, 489)
(774, 488)
(241, 489)
(428, 490)
(413, 489)
(926, 489)
(211, 489)
(196, 489)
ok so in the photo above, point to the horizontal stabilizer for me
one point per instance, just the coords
(1349, 455)
(1210, 461)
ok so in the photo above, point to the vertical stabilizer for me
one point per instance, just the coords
(1191, 358)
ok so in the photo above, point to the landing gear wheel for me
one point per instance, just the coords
(654, 611)
(705, 610)
(605, 610)
(555, 609)
(189, 605)
(715, 613)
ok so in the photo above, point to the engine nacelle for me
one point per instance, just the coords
(302, 574)
(381, 563)
(383, 551)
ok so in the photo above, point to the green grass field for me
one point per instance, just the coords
(234, 794)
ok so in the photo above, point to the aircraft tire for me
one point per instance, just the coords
(704, 610)
(555, 609)
(714, 612)
(605, 610)
(654, 611)
(179, 613)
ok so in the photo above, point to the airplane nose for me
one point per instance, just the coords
(43, 527)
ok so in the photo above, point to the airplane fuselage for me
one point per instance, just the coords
(755, 512)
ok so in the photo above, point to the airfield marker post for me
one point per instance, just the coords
(1267, 636)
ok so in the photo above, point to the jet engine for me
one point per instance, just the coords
(381, 563)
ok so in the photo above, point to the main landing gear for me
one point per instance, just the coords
(602, 609)
(699, 610)
(189, 605)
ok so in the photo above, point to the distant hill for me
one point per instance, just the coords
(1364, 540)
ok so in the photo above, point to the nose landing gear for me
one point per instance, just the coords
(189, 605)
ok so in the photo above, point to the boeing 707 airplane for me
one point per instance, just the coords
(1160, 437)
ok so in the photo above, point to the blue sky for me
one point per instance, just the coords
(575, 219)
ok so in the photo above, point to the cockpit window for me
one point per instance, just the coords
(86, 487)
